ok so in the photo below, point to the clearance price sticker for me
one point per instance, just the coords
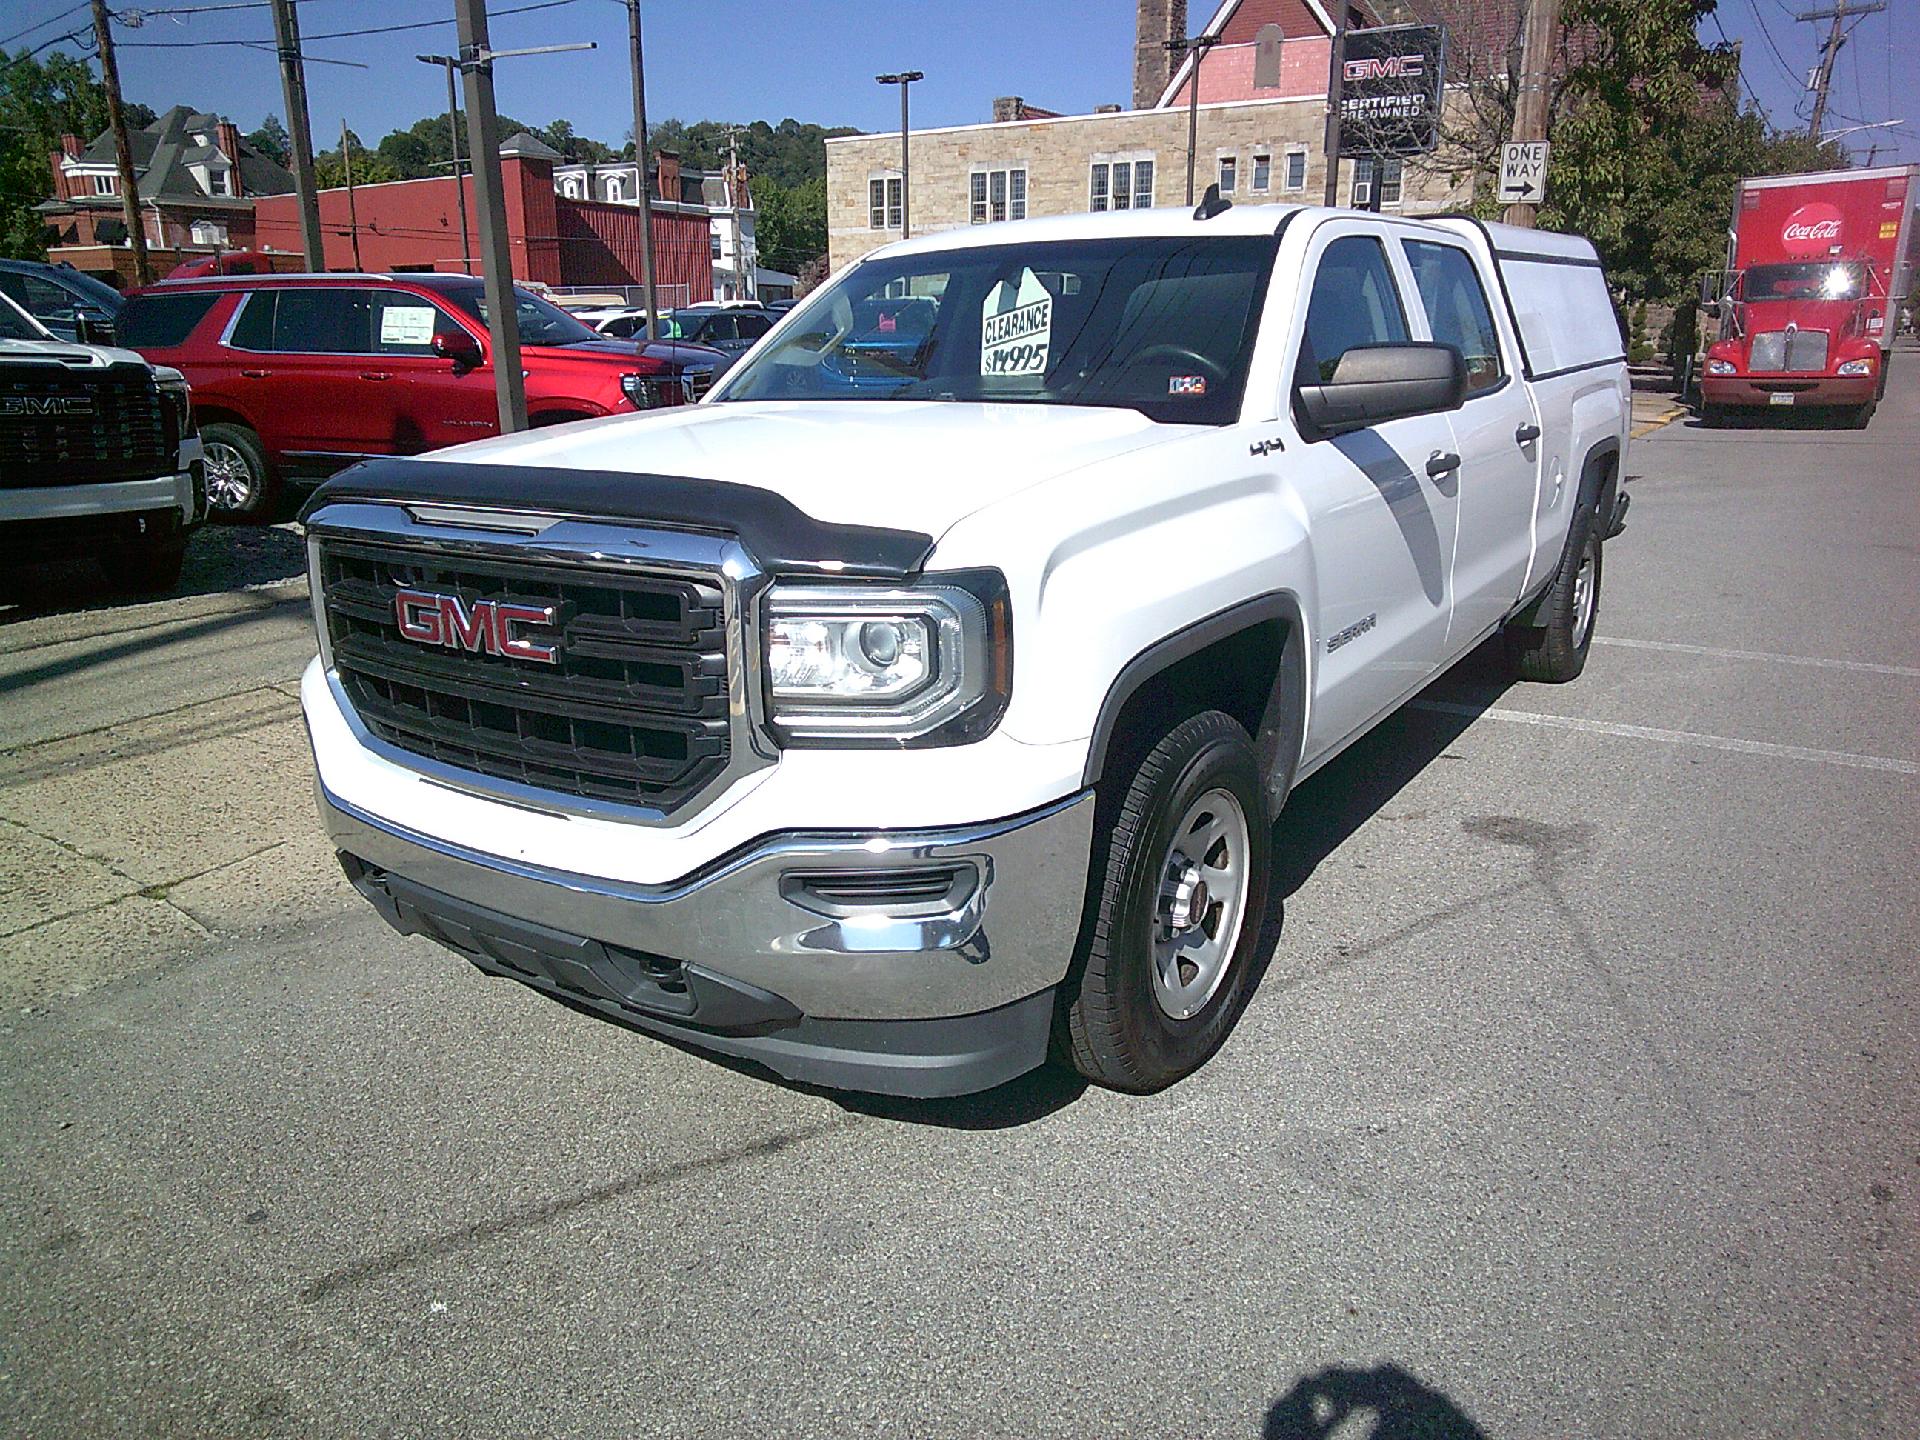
(1016, 330)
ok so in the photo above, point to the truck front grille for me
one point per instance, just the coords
(1788, 352)
(633, 709)
(80, 425)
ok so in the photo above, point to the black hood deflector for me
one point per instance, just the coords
(780, 535)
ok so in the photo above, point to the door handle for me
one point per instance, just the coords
(1526, 434)
(376, 374)
(1440, 463)
(256, 374)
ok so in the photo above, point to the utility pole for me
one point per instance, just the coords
(1830, 50)
(1336, 89)
(483, 143)
(736, 195)
(1536, 77)
(353, 213)
(640, 165)
(122, 147)
(293, 89)
(904, 80)
(453, 138)
(1197, 47)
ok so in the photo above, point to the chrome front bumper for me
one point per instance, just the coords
(916, 962)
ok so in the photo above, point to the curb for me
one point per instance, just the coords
(1654, 422)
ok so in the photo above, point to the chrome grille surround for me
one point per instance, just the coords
(500, 543)
(1789, 352)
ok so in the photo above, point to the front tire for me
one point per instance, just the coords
(146, 569)
(1861, 416)
(241, 484)
(1181, 900)
(1555, 649)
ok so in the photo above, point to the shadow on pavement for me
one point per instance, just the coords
(1384, 1403)
(220, 558)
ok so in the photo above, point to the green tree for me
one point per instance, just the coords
(790, 224)
(41, 99)
(272, 140)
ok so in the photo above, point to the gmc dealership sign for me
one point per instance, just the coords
(1390, 89)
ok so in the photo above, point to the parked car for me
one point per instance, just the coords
(731, 329)
(98, 456)
(72, 306)
(618, 322)
(298, 375)
(888, 736)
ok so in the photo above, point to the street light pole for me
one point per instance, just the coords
(904, 79)
(1197, 46)
(453, 137)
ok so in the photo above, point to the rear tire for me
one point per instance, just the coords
(1181, 899)
(241, 484)
(146, 569)
(1555, 649)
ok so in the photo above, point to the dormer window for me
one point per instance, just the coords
(616, 187)
(106, 184)
(219, 181)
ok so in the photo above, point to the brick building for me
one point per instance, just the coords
(1262, 118)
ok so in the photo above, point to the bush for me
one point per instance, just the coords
(1639, 347)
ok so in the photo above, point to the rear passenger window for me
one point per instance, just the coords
(752, 327)
(1354, 302)
(323, 322)
(1457, 309)
(253, 330)
(160, 322)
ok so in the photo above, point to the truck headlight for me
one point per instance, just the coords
(1855, 367)
(929, 664)
(639, 390)
(1720, 367)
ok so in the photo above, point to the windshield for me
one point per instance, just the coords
(15, 324)
(1809, 280)
(541, 322)
(1158, 324)
(100, 293)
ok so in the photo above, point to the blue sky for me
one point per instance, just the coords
(815, 60)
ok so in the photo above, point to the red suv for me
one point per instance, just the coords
(295, 376)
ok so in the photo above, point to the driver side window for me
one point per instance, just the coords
(1354, 301)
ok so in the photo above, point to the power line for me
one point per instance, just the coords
(50, 20)
(331, 34)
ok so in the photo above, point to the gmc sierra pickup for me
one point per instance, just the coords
(98, 456)
(919, 704)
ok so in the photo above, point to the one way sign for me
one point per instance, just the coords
(1523, 172)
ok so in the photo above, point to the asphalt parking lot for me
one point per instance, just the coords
(1579, 1097)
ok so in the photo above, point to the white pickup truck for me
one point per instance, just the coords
(920, 704)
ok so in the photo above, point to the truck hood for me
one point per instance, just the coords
(62, 352)
(1834, 316)
(903, 464)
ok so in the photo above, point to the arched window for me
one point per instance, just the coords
(616, 187)
(1266, 57)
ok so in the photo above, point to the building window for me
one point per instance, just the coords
(106, 184)
(1121, 185)
(209, 232)
(1229, 165)
(1262, 172)
(714, 236)
(1143, 184)
(1296, 170)
(1391, 172)
(997, 195)
(616, 187)
(1097, 196)
(883, 203)
(219, 182)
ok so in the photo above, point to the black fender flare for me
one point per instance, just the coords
(1282, 724)
(1599, 485)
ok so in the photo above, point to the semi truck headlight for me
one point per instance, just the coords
(1720, 367)
(850, 664)
(1855, 367)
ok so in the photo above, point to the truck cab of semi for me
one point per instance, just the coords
(918, 704)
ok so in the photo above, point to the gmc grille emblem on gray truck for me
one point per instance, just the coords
(485, 628)
(46, 405)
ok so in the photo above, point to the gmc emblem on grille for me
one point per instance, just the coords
(486, 628)
(46, 405)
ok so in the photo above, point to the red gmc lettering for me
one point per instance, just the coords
(1406, 67)
(487, 628)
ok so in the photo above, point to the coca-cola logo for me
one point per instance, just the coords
(1811, 230)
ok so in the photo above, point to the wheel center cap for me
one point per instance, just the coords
(1183, 896)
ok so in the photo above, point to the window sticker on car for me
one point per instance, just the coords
(1016, 330)
(1186, 384)
(406, 325)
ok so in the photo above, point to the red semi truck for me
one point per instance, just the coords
(1818, 273)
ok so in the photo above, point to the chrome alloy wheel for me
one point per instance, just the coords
(1585, 593)
(1202, 904)
(231, 485)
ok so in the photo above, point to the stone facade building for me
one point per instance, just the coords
(1261, 124)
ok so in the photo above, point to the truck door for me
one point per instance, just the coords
(1495, 433)
(1381, 501)
(433, 401)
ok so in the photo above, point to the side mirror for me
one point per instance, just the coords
(459, 347)
(1372, 384)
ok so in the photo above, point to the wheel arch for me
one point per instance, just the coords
(1248, 660)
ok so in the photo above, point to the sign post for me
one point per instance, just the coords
(1391, 80)
(1523, 172)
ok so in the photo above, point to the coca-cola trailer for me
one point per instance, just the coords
(1819, 269)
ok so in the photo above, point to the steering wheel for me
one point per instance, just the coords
(1206, 365)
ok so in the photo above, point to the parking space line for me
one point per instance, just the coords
(1676, 737)
(1864, 667)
